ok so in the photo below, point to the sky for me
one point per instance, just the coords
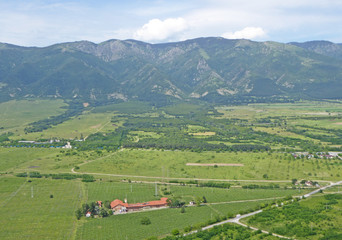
(46, 22)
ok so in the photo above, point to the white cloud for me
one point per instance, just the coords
(246, 33)
(156, 29)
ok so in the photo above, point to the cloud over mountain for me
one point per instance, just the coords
(246, 33)
(156, 29)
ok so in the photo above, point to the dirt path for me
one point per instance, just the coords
(215, 164)
(82, 198)
(98, 129)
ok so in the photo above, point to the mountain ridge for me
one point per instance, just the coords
(191, 69)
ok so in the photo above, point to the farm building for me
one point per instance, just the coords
(119, 206)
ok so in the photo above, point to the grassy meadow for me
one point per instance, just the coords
(15, 115)
(277, 166)
(77, 127)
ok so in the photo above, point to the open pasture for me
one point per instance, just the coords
(14, 115)
(77, 127)
(44, 160)
(266, 166)
(13, 159)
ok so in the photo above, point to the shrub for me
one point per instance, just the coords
(145, 221)
(175, 232)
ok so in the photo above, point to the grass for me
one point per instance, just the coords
(142, 192)
(15, 115)
(282, 132)
(44, 160)
(162, 222)
(134, 192)
(30, 213)
(8, 189)
(313, 218)
(13, 159)
(182, 109)
(41, 217)
(125, 108)
(225, 195)
(77, 127)
(277, 166)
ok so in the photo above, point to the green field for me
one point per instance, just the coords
(77, 127)
(141, 192)
(50, 160)
(314, 218)
(277, 166)
(14, 115)
(28, 212)
(162, 222)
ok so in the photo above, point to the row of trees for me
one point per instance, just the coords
(67, 176)
(74, 109)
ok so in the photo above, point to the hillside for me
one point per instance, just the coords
(209, 69)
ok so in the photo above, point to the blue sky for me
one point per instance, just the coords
(43, 23)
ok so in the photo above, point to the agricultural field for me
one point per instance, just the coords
(173, 164)
(141, 192)
(40, 209)
(162, 221)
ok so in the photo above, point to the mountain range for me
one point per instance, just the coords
(203, 68)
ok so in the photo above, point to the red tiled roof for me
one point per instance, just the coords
(157, 203)
(117, 202)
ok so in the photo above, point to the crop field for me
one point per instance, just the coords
(162, 221)
(27, 210)
(276, 166)
(134, 192)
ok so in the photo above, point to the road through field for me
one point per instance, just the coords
(239, 217)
